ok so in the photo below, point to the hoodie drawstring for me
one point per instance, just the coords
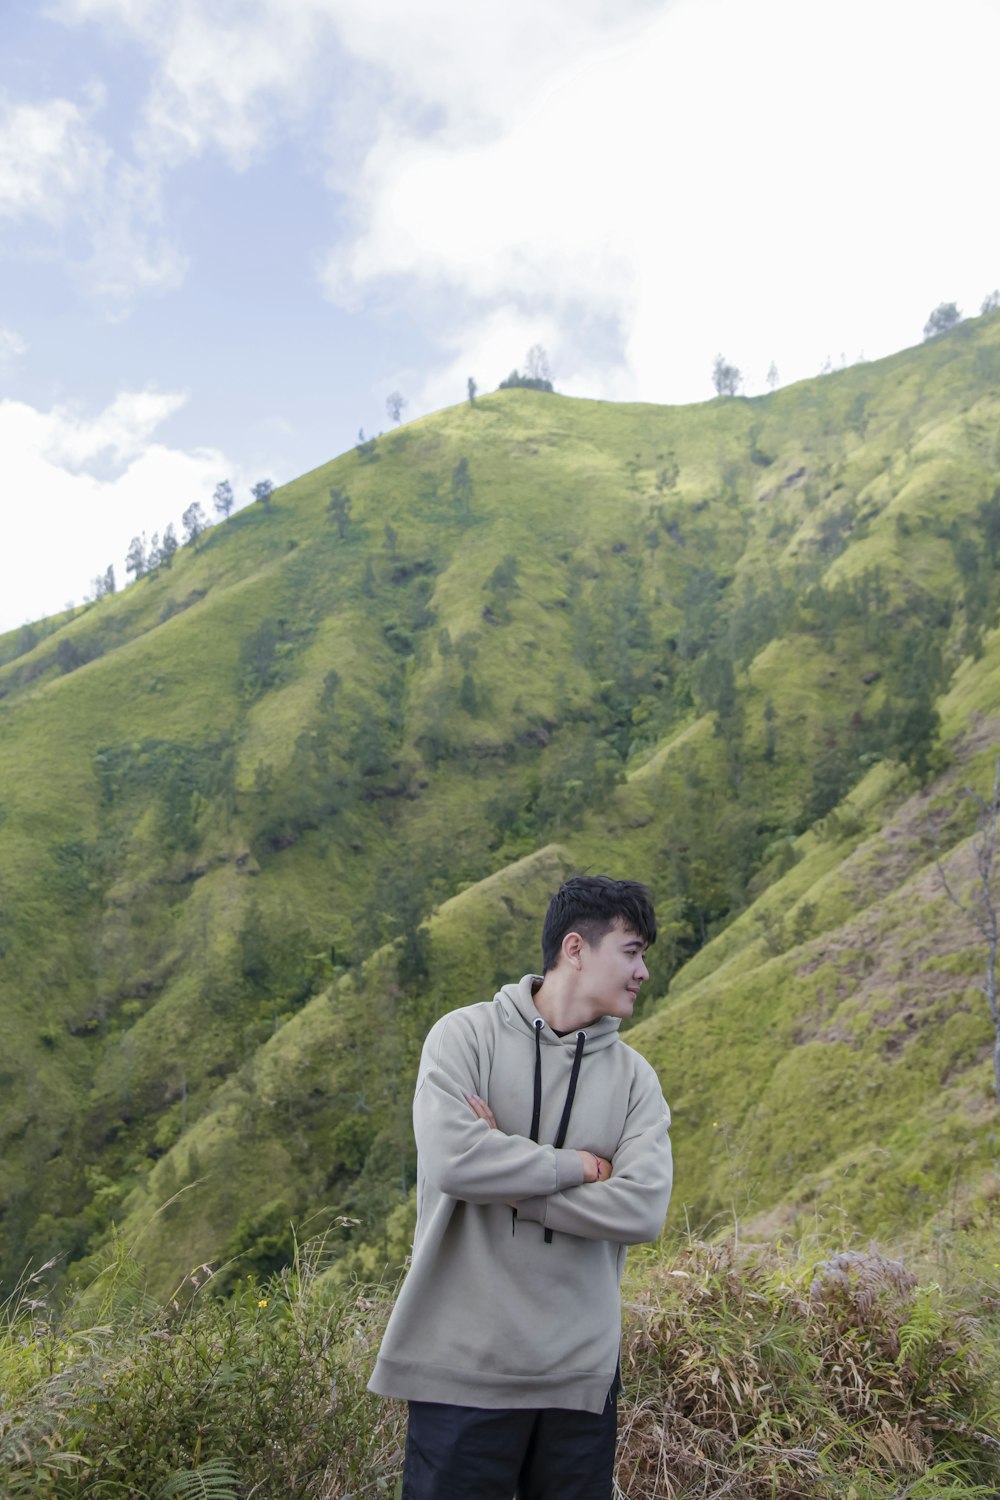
(536, 1107)
(581, 1038)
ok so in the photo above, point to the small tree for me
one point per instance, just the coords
(222, 499)
(991, 302)
(915, 732)
(395, 404)
(193, 521)
(262, 492)
(135, 557)
(983, 906)
(168, 547)
(515, 381)
(154, 556)
(770, 733)
(472, 388)
(461, 486)
(725, 377)
(942, 320)
(339, 510)
(536, 363)
(104, 583)
(365, 447)
(773, 378)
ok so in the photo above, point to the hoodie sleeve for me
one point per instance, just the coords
(632, 1206)
(459, 1153)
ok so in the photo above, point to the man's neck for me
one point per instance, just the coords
(560, 1008)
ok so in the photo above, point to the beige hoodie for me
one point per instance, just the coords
(491, 1314)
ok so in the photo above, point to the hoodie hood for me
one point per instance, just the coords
(517, 1003)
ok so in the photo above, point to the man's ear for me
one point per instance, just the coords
(572, 946)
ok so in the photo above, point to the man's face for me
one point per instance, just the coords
(613, 969)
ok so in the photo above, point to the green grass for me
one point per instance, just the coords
(309, 790)
(825, 1372)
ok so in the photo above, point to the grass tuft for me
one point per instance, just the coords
(748, 1375)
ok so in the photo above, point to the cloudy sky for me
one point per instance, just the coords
(229, 228)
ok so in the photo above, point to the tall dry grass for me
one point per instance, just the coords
(746, 1376)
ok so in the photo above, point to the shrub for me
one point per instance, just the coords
(751, 1378)
(748, 1377)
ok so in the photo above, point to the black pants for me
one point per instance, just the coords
(469, 1453)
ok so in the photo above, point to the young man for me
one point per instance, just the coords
(543, 1151)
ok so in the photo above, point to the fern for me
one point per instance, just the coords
(923, 1327)
(213, 1480)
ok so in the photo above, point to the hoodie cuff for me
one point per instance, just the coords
(569, 1169)
(533, 1209)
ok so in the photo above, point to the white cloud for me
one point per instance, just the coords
(11, 346)
(768, 180)
(231, 76)
(50, 159)
(655, 180)
(69, 522)
(237, 77)
(130, 252)
(57, 169)
(227, 78)
(120, 433)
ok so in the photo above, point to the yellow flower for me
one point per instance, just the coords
(261, 1301)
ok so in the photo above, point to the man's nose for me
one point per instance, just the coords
(643, 971)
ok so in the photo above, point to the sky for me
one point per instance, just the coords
(229, 229)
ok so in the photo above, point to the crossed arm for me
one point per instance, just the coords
(560, 1188)
(595, 1168)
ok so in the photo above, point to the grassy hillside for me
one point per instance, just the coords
(265, 813)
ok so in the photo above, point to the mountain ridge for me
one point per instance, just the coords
(255, 813)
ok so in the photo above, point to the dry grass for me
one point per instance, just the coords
(757, 1379)
(745, 1377)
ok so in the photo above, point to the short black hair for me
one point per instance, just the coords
(591, 905)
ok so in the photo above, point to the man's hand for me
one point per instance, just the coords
(595, 1168)
(482, 1109)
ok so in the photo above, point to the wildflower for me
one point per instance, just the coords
(261, 1301)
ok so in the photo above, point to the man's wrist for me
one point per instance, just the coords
(591, 1165)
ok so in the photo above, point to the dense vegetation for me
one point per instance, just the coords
(268, 811)
(827, 1375)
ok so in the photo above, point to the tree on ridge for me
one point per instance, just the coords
(942, 320)
(725, 377)
(339, 510)
(135, 557)
(222, 499)
(193, 521)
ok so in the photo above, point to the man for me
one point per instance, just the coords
(542, 1153)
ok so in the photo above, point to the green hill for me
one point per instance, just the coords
(267, 812)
